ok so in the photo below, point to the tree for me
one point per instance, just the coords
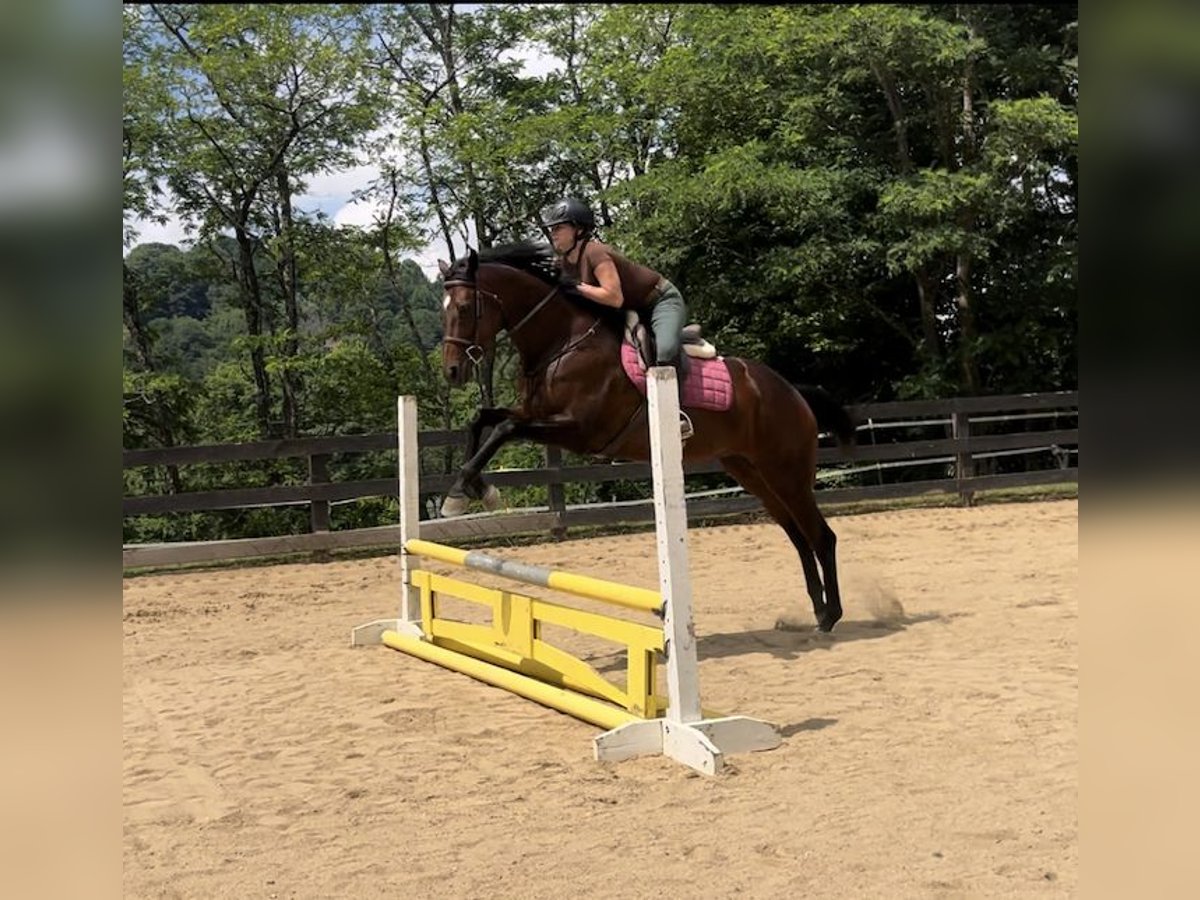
(877, 197)
(259, 98)
(833, 189)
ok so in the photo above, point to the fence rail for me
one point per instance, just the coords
(961, 450)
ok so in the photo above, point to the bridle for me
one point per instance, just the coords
(472, 348)
(475, 352)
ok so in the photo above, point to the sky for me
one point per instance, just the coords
(331, 194)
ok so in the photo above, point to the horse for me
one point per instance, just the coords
(574, 394)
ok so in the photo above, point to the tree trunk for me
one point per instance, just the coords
(132, 314)
(290, 379)
(966, 324)
(445, 48)
(252, 305)
(927, 298)
(142, 343)
(896, 107)
(966, 224)
(483, 232)
(931, 347)
(434, 197)
(389, 265)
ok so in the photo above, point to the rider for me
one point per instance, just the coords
(604, 276)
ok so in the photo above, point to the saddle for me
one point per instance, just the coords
(706, 382)
(641, 338)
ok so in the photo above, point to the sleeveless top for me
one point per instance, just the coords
(638, 282)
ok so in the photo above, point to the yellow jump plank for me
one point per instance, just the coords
(545, 665)
(631, 634)
(578, 674)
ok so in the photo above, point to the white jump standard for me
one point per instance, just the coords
(510, 653)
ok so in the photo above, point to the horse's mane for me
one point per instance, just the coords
(539, 260)
(528, 256)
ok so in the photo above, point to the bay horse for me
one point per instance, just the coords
(574, 394)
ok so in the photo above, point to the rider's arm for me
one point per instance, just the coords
(609, 291)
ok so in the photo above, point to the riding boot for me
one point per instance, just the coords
(685, 422)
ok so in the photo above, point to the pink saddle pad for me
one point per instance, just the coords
(707, 386)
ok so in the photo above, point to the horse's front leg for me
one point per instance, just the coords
(476, 488)
(543, 431)
(468, 486)
(488, 417)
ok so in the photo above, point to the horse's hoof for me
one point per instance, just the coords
(825, 624)
(454, 506)
(491, 498)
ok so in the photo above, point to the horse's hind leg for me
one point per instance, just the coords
(793, 485)
(752, 480)
(824, 542)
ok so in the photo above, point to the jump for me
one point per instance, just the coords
(574, 393)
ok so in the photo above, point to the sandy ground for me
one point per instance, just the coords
(929, 745)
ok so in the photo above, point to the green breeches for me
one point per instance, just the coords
(667, 318)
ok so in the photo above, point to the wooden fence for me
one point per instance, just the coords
(964, 440)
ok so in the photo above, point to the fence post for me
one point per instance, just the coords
(964, 462)
(318, 473)
(558, 497)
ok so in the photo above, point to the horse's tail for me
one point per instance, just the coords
(831, 415)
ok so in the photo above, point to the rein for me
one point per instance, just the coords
(533, 312)
(567, 348)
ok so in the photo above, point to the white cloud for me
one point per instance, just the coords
(365, 214)
(148, 232)
(361, 213)
(331, 192)
(330, 189)
(534, 63)
(427, 258)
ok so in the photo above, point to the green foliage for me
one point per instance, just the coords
(878, 198)
(225, 408)
(353, 389)
(150, 399)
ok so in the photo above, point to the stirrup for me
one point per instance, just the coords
(685, 426)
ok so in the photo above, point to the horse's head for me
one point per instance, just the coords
(471, 318)
(506, 288)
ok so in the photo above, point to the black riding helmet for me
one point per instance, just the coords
(571, 210)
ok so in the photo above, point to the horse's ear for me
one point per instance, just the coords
(444, 267)
(472, 261)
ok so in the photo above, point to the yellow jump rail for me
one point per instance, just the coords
(580, 585)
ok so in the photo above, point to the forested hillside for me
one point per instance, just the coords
(880, 199)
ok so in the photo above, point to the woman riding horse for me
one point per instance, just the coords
(607, 277)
